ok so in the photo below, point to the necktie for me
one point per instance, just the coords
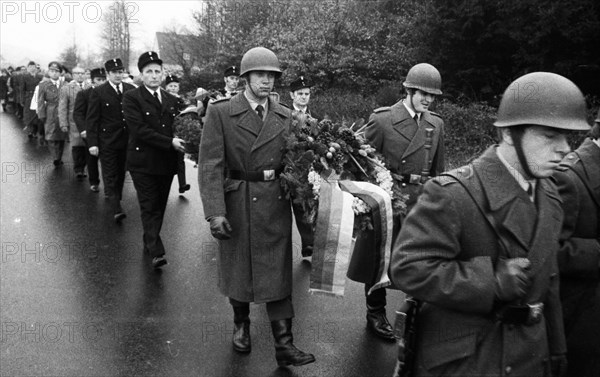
(156, 96)
(530, 191)
(119, 93)
(416, 118)
(260, 111)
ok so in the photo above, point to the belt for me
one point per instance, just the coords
(255, 176)
(529, 314)
(413, 179)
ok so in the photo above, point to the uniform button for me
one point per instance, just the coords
(508, 369)
(279, 197)
(123, 119)
(137, 148)
(404, 161)
(147, 113)
(404, 185)
(571, 156)
(163, 125)
(104, 129)
(254, 199)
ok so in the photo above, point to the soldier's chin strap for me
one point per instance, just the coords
(516, 134)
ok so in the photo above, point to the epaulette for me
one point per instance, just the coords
(452, 176)
(568, 161)
(220, 100)
(381, 109)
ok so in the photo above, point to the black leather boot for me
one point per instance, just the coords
(377, 320)
(285, 351)
(241, 329)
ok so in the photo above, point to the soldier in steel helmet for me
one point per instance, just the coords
(398, 132)
(578, 181)
(240, 158)
(479, 247)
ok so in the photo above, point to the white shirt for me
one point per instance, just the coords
(411, 111)
(301, 110)
(154, 91)
(524, 183)
(117, 86)
(597, 142)
(264, 104)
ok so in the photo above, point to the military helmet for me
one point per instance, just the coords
(425, 77)
(543, 99)
(260, 59)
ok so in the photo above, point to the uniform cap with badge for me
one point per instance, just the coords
(231, 71)
(171, 78)
(300, 83)
(148, 57)
(56, 66)
(113, 65)
(98, 72)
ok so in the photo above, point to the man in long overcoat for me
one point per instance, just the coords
(98, 77)
(48, 96)
(398, 132)
(578, 183)
(66, 106)
(479, 248)
(28, 82)
(107, 133)
(152, 152)
(241, 155)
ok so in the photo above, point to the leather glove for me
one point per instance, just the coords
(511, 278)
(220, 228)
(558, 365)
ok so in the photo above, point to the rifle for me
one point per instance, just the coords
(405, 332)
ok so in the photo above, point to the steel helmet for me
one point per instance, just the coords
(543, 99)
(260, 59)
(425, 77)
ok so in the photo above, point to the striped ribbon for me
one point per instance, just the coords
(333, 234)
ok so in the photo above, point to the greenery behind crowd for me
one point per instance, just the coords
(357, 52)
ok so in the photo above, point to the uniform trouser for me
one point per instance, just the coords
(113, 173)
(153, 194)
(57, 148)
(92, 165)
(276, 310)
(181, 170)
(79, 158)
(305, 229)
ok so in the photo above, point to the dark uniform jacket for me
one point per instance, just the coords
(80, 110)
(150, 125)
(256, 263)
(579, 257)
(105, 120)
(445, 255)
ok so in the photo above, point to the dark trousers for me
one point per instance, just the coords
(376, 301)
(113, 173)
(79, 158)
(153, 194)
(92, 165)
(305, 229)
(57, 148)
(276, 310)
(181, 170)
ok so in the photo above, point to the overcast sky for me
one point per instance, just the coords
(41, 30)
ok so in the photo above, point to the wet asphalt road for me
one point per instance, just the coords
(78, 297)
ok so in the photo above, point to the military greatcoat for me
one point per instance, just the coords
(445, 255)
(48, 109)
(255, 265)
(579, 257)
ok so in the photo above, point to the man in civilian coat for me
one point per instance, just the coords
(398, 133)
(479, 249)
(47, 111)
(578, 183)
(66, 106)
(107, 133)
(98, 77)
(241, 155)
(152, 152)
(28, 82)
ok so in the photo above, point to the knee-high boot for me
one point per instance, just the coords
(285, 351)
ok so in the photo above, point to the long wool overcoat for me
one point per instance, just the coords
(48, 109)
(255, 265)
(445, 255)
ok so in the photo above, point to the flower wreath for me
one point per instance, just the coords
(326, 150)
